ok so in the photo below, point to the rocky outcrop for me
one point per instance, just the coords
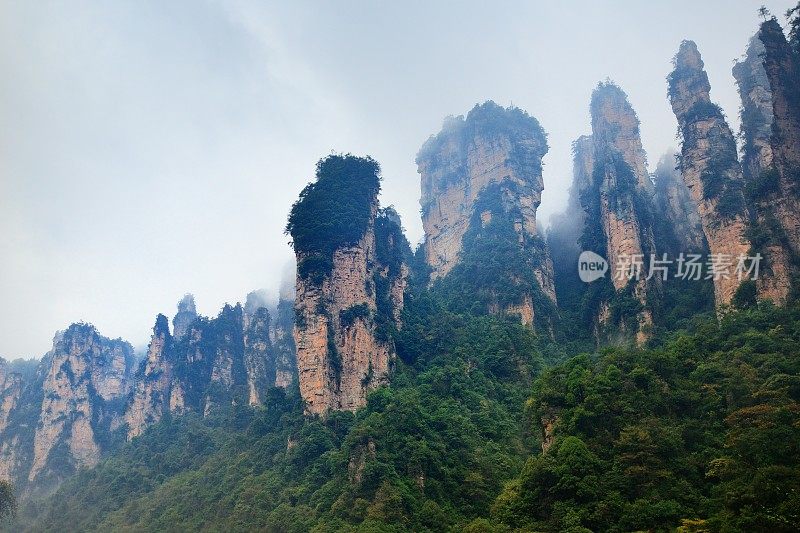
(709, 165)
(566, 228)
(485, 171)
(216, 362)
(549, 419)
(676, 210)
(777, 188)
(282, 337)
(10, 392)
(620, 199)
(773, 208)
(153, 384)
(756, 110)
(85, 384)
(194, 373)
(187, 313)
(84, 395)
(343, 301)
(782, 68)
(259, 357)
(21, 421)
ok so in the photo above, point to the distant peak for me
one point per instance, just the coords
(187, 305)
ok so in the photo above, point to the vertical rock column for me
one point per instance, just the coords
(772, 206)
(152, 389)
(674, 202)
(340, 354)
(566, 228)
(280, 334)
(709, 164)
(624, 190)
(493, 146)
(86, 371)
(782, 68)
(187, 313)
(10, 391)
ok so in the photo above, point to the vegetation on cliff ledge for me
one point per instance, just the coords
(333, 212)
(490, 123)
(499, 262)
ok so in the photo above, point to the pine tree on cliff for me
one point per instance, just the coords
(793, 15)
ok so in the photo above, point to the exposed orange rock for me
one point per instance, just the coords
(709, 165)
(343, 272)
(492, 145)
(773, 206)
(620, 178)
(340, 362)
(85, 371)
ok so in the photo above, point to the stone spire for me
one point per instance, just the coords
(709, 164)
(495, 152)
(621, 198)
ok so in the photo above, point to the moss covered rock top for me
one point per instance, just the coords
(335, 210)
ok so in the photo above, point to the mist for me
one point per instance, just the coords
(150, 149)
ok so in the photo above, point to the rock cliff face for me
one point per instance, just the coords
(683, 231)
(344, 301)
(85, 386)
(153, 384)
(493, 152)
(216, 362)
(69, 411)
(756, 111)
(187, 313)
(566, 228)
(282, 337)
(773, 208)
(10, 392)
(782, 68)
(620, 200)
(709, 164)
(259, 353)
(85, 395)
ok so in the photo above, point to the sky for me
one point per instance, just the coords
(149, 148)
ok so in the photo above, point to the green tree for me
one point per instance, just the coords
(8, 500)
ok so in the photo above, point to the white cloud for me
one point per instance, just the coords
(148, 149)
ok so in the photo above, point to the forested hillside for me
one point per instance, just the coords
(700, 430)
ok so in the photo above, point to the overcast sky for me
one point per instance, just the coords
(148, 149)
